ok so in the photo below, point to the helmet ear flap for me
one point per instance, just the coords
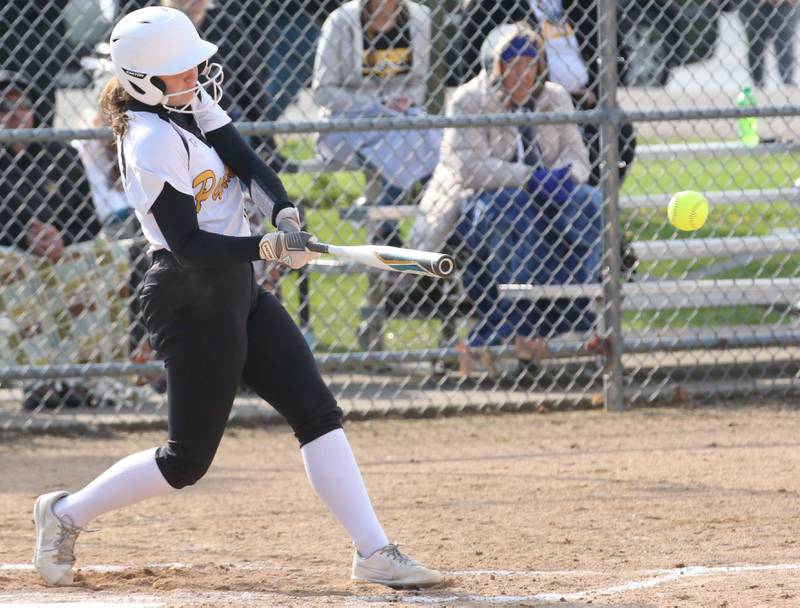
(159, 84)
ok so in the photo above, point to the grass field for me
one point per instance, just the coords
(335, 325)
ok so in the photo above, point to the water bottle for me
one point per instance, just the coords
(748, 125)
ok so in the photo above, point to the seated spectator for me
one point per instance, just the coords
(32, 45)
(99, 158)
(570, 33)
(582, 16)
(512, 203)
(44, 205)
(373, 61)
(43, 189)
(293, 34)
(565, 63)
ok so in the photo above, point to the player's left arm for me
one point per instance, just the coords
(265, 187)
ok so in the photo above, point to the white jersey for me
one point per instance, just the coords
(155, 150)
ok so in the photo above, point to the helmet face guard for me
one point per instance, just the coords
(214, 76)
(160, 41)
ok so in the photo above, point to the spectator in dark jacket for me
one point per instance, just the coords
(479, 17)
(45, 205)
(32, 44)
(292, 36)
(45, 200)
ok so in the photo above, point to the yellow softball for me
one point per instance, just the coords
(687, 210)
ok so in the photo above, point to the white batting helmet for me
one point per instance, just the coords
(160, 41)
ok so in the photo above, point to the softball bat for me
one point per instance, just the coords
(398, 259)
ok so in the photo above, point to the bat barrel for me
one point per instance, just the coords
(444, 266)
(412, 261)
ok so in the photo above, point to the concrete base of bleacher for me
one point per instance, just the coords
(414, 390)
(643, 99)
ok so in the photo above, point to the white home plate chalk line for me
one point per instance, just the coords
(654, 578)
(664, 576)
(80, 604)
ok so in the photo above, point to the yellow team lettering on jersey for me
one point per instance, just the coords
(383, 63)
(209, 186)
(554, 31)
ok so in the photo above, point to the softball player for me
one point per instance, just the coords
(180, 157)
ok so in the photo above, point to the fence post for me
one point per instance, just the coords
(609, 171)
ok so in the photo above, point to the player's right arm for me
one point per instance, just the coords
(265, 187)
(263, 184)
(154, 163)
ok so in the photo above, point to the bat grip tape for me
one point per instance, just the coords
(318, 247)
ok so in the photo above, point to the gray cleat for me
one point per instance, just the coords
(54, 555)
(388, 566)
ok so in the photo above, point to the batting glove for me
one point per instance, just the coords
(288, 220)
(287, 248)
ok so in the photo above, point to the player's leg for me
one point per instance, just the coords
(203, 341)
(754, 19)
(784, 24)
(282, 370)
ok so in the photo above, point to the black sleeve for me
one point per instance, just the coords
(15, 215)
(583, 16)
(176, 218)
(74, 210)
(234, 152)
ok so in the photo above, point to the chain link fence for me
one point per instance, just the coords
(389, 125)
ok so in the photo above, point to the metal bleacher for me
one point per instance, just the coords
(648, 295)
(643, 295)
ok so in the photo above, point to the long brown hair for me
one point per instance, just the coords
(114, 102)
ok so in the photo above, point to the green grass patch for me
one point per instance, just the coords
(708, 174)
(703, 317)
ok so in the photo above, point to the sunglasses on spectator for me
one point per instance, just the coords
(7, 105)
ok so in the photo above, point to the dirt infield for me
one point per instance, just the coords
(648, 508)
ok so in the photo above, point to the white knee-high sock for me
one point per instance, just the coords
(128, 481)
(334, 475)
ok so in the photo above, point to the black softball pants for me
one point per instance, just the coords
(214, 327)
